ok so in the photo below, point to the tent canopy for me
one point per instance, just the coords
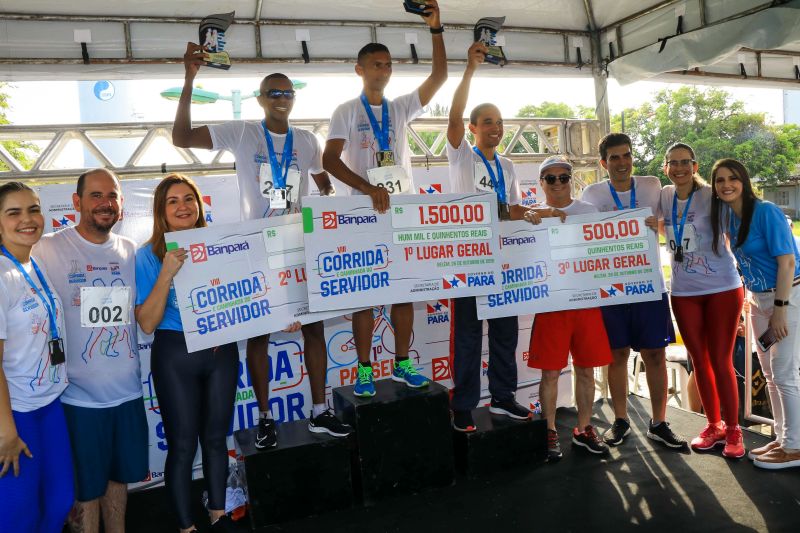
(147, 38)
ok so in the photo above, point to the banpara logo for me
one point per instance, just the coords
(441, 368)
(198, 253)
(329, 220)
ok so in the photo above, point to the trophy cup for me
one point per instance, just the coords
(416, 7)
(212, 38)
(486, 32)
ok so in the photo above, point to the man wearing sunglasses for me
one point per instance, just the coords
(367, 150)
(644, 326)
(273, 162)
(481, 168)
(556, 335)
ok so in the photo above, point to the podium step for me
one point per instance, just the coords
(403, 436)
(500, 442)
(304, 475)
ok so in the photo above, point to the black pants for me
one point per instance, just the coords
(196, 392)
(467, 341)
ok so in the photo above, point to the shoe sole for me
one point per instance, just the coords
(699, 449)
(260, 446)
(653, 436)
(471, 429)
(363, 395)
(590, 450)
(320, 429)
(554, 458)
(617, 442)
(777, 466)
(401, 380)
(729, 456)
(501, 411)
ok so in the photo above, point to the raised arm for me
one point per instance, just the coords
(455, 124)
(183, 135)
(439, 60)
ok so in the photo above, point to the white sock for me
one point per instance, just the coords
(318, 409)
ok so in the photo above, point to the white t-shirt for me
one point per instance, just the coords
(462, 172)
(350, 122)
(648, 194)
(103, 362)
(702, 271)
(246, 141)
(25, 329)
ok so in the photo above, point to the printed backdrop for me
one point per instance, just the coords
(290, 397)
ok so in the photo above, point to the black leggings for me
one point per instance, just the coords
(196, 392)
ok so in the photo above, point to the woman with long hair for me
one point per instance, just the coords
(707, 297)
(196, 390)
(768, 257)
(36, 479)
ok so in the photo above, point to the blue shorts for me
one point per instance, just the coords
(643, 325)
(108, 444)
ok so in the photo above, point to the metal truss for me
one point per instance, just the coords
(526, 141)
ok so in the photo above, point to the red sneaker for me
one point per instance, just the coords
(711, 436)
(734, 447)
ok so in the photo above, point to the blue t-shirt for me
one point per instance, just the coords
(147, 269)
(769, 237)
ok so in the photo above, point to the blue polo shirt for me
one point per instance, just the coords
(769, 237)
(148, 267)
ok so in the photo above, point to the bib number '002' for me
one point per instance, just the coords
(105, 306)
(393, 179)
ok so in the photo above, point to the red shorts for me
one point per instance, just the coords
(578, 331)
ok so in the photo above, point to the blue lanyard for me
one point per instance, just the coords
(51, 308)
(381, 132)
(617, 201)
(678, 230)
(498, 183)
(279, 174)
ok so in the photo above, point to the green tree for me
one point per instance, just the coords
(716, 126)
(23, 152)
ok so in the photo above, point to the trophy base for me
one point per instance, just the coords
(220, 60)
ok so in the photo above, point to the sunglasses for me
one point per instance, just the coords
(277, 93)
(551, 179)
(675, 163)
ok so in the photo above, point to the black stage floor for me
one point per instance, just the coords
(640, 486)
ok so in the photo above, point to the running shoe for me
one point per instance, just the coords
(365, 384)
(662, 433)
(710, 437)
(327, 422)
(768, 447)
(617, 432)
(267, 434)
(404, 372)
(509, 408)
(462, 421)
(777, 459)
(589, 439)
(734, 445)
(553, 446)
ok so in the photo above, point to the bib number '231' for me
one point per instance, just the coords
(105, 306)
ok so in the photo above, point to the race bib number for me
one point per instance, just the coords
(483, 181)
(266, 184)
(689, 239)
(105, 306)
(393, 179)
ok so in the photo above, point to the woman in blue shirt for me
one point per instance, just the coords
(768, 257)
(196, 390)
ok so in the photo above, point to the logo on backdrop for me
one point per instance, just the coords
(433, 188)
(65, 221)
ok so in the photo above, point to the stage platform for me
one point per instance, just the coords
(640, 486)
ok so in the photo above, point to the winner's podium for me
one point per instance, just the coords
(305, 474)
(404, 438)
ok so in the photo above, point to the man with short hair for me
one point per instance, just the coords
(577, 332)
(273, 162)
(482, 169)
(644, 326)
(93, 271)
(367, 150)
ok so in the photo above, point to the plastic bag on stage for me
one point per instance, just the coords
(235, 492)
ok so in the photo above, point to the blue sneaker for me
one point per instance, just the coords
(404, 372)
(365, 385)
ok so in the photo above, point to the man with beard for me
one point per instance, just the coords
(94, 274)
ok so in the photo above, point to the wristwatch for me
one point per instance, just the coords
(435, 31)
(781, 303)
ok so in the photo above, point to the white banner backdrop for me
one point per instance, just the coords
(290, 396)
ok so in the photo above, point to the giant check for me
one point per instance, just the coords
(425, 247)
(588, 261)
(242, 280)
